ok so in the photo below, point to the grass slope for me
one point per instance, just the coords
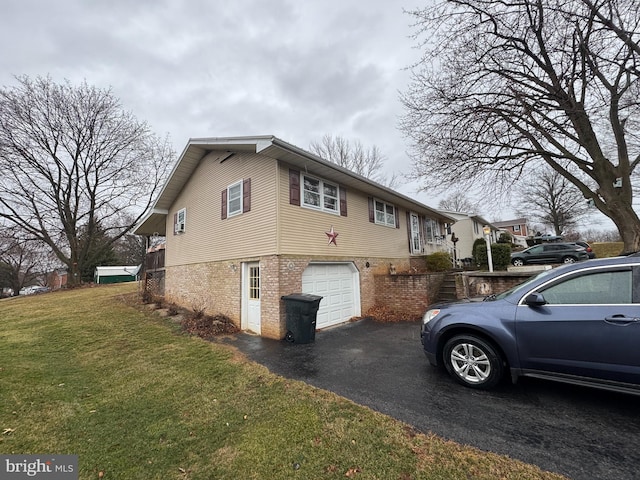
(85, 372)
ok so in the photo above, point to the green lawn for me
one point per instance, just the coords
(607, 249)
(87, 372)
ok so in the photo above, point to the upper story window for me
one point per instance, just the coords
(316, 193)
(320, 194)
(382, 213)
(432, 231)
(236, 199)
(234, 194)
(385, 213)
(179, 221)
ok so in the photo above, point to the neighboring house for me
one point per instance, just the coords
(467, 229)
(116, 274)
(250, 219)
(57, 279)
(517, 226)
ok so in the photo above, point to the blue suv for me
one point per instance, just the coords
(577, 323)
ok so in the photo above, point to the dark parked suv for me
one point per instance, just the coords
(550, 253)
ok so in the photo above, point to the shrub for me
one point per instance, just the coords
(479, 252)
(505, 237)
(500, 255)
(173, 309)
(438, 262)
(147, 297)
(208, 326)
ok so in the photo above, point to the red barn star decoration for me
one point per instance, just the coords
(332, 236)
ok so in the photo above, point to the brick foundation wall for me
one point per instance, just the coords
(216, 287)
(290, 272)
(212, 287)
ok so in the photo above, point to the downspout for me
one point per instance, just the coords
(278, 168)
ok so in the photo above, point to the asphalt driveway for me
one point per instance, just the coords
(578, 432)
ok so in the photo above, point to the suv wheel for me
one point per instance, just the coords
(568, 260)
(517, 262)
(472, 362)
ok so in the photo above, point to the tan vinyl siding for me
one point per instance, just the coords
(209, 238)
(302, 229)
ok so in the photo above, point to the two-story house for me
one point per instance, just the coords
(517, 226)
(248, 220)
(467, 229)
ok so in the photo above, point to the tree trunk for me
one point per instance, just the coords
(73, 277)
(628, 223)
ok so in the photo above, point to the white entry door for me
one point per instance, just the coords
(251, 297)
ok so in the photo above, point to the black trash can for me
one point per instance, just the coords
(302, 309)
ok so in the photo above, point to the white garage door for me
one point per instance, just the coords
(338, 284)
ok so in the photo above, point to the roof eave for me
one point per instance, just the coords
(273, 147)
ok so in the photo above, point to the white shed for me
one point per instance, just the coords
(116, 274)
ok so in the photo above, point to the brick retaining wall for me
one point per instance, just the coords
(480, 284)
(407, 295)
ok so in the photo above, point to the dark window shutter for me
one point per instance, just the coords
(223, 210)
(175, 222)
(343, 201)
(397, 215)
(294, 187)
(372, 212)
(409, 231)
(246, 195)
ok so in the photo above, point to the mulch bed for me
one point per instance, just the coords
(193, 323)
(208, 326)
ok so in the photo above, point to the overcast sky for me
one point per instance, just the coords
(296, 69)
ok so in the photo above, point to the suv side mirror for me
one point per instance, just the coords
(535, 299)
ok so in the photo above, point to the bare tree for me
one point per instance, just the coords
(552, 201)
(75, 165)
(504, 85)
(22, 262)
(353, 156)
(131, 249)
(457, 202)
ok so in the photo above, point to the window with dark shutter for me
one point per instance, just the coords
(246, 195)
(236, 199)
(223, 207)
(383, 213)
(294, 187)
(343, 202)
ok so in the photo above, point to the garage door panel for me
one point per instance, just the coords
(335, 299)
(336, 284)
